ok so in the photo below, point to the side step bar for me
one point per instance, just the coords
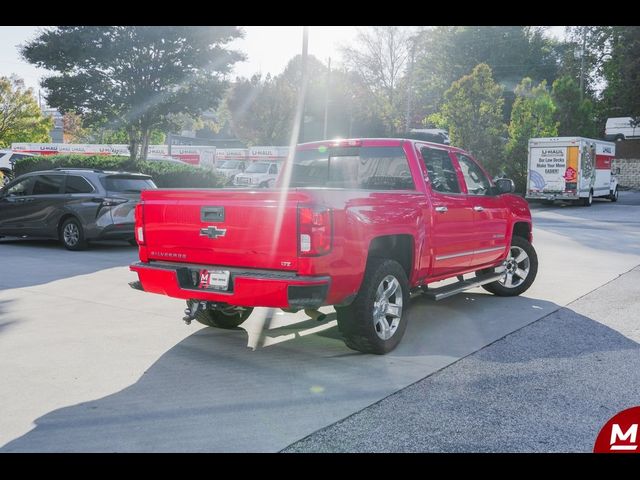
(460, 286)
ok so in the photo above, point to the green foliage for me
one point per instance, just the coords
(532, 116)
(574, 117)
(134, 77)
(621, 70)
(165, 174)
(445, 53)
(473, 112)
(20, 117)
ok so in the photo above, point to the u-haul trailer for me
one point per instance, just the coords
(571, 168)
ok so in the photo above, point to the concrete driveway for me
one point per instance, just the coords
(88, 364)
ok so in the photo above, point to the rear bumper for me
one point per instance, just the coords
(247, 288)
(116, 231)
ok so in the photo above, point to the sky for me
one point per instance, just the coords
(268, 48)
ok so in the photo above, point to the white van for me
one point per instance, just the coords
(621, 128)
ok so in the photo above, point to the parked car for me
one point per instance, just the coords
(72, 205)
(230, 168)
(258, 174)
(621, 128)
(360, 225)
(7, 160)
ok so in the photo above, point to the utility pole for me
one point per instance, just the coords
(305, 45)
(584, 45)
(326, 101)
(410, 86)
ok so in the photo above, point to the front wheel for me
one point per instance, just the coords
(227, 319)
(376, 320)
(614, 195)
(520, 270)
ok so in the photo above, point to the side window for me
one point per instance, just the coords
(47, 185)
(273, 169)
(21, 188)
(442, 175)
(77, 184)
(477, 182)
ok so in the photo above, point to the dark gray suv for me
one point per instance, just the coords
(72, 205)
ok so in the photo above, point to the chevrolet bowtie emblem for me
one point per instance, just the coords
(213, 232)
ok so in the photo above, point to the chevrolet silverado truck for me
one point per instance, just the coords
(357, 224)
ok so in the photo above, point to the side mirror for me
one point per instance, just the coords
(505, 185)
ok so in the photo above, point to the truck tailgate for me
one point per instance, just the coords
(222, 227)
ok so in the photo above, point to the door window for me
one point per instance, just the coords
(47, 184)
(442, 175)
(21, 188)
(77, 184)
(273, 169)
(476, 180)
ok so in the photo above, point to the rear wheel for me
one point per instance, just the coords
(72, 235)
(520, 270)
(376, 320)
(588, 201)
(228, 318)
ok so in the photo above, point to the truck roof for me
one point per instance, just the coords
(372, 142)
(566, 140)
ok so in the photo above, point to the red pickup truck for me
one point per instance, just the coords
(357, 224)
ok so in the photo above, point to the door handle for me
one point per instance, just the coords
(478, 208)
(441, 209)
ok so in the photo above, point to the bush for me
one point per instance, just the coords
(165, 174)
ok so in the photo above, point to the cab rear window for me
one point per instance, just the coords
(359, 168)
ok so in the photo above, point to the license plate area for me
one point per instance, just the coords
(214, 279)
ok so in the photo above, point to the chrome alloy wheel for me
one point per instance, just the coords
(71, 234)
(387, 307)
(516, 268)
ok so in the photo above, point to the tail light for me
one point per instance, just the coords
(314, 231)
(113, 201)
(139, 218)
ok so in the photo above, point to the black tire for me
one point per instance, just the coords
(357, 322)
(71, 235)
(614, 195)
(220, 319)
(133, 242)
(619, 137)
(502, 289)
(587, 202)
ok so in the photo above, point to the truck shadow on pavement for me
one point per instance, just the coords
(28, 262)
(211, 393)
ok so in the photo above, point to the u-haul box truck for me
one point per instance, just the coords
(571, 168)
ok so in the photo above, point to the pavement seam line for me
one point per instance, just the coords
(459, 359)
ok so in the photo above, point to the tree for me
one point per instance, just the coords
(621, 71)
(262, 110)
(472, 111)
(445, 53)
(575, 117)
(21, 120)
(532, 116)
(134, 77)
(380, 60)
